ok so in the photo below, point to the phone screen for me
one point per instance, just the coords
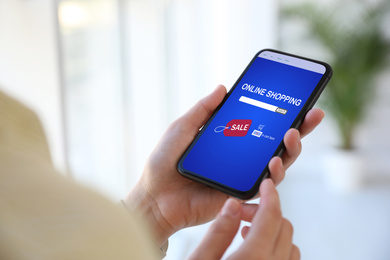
(233, 149)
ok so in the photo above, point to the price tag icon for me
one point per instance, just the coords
(237, 127)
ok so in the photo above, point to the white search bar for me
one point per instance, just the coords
(263, 105)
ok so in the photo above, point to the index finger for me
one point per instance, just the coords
(268, 219)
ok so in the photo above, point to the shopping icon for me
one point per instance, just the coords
(257, 133)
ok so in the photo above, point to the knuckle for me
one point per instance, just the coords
(288, 226)
(295, 253)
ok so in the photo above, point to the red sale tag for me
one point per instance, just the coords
(237, 127)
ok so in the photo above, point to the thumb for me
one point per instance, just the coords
(197, 116)
(221, 232)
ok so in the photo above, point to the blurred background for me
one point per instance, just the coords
(106, 77)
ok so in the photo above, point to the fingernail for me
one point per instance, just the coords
(231, 208)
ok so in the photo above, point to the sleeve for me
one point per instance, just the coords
(47, 216)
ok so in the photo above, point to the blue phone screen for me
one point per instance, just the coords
(242, 137)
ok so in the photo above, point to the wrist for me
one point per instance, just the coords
(141, 202)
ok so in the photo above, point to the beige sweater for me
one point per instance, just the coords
(43, 215)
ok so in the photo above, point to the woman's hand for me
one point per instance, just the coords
(269, 237)
(170, 202)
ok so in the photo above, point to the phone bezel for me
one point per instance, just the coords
(245, 195)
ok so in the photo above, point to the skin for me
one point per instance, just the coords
(170, 202)
(269, 237)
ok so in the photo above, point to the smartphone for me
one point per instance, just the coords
(232, 151)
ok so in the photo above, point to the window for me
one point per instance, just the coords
(130, 67)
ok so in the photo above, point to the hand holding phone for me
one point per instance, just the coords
(273, 94)
(182, 202)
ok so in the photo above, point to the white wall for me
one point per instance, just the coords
(180, 50)
(29, 64)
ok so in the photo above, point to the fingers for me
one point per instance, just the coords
(270, 236)
(182, 131)
(248, 211)
(197, 116)
(277, 170)
(283, 246)
(284, 249)
(245, 231)
(292, 137)
(295, 253)
(267, 220)
(312, 119)
(292, 142)
(221, 232)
